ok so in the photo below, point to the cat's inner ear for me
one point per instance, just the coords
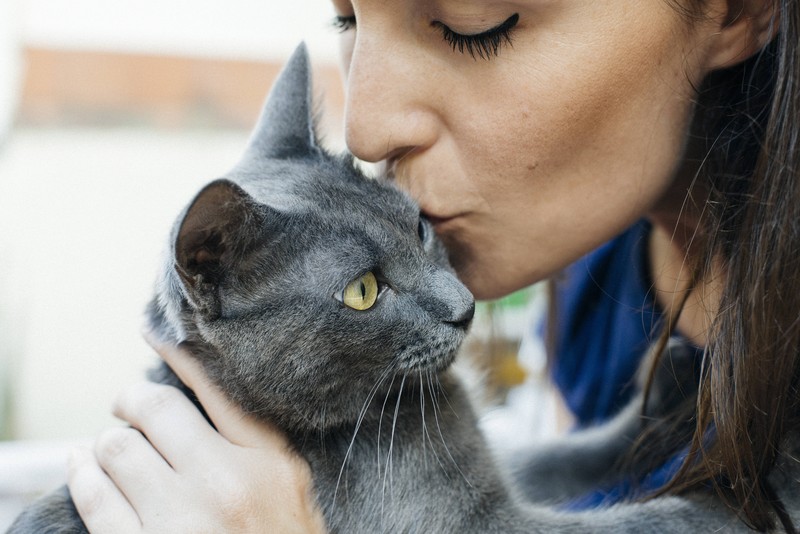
(219, 227)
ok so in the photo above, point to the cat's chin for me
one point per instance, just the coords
(428, 364)
(433, 355)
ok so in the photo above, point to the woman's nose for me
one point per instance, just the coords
(390, 107)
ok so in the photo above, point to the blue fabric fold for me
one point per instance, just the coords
(606, 320)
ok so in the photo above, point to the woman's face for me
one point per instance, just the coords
(528, 148)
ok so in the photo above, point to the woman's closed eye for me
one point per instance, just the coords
(485, 44)
(344, 24)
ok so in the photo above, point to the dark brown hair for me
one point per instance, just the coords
(748, 400)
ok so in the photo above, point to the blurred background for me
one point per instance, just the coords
(112, 114)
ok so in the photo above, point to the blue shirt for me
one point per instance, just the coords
(606, 320)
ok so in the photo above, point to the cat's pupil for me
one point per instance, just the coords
(363, 290)
(421, 230)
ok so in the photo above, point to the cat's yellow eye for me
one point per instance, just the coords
(361, 293)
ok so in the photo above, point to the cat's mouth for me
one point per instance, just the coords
(429, 364)
(433, 355)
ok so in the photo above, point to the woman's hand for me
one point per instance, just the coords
(172, 472)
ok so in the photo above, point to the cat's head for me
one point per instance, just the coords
(307, 283)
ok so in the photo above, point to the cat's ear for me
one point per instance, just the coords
(222, 224)
(285, 128)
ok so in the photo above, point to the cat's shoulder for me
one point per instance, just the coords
(785, 477)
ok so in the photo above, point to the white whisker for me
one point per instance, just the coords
(444, 394)
(422, 412)
(441, 435)
(380, 423)
(388, 469)
(427, 434)
(378, 444)
(361, 415)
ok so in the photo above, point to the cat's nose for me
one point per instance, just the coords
(465, 319)
(447, 299)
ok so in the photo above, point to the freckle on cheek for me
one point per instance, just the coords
(531, 166)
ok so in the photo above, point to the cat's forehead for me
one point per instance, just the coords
(329, 186)
(342, 222)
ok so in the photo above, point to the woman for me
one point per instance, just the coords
(531, 132)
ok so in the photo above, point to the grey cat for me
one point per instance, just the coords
(320, 300)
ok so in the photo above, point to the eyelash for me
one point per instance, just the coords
(484, 45)
(343, 24)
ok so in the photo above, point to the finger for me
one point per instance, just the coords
(233, 423)
(171, 423)
(101, 505)
(135, 467)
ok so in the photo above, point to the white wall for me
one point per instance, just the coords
(260, 29)
(84, 212)
(9, 63)
(84, 215)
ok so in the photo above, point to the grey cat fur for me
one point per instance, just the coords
(366, 397)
